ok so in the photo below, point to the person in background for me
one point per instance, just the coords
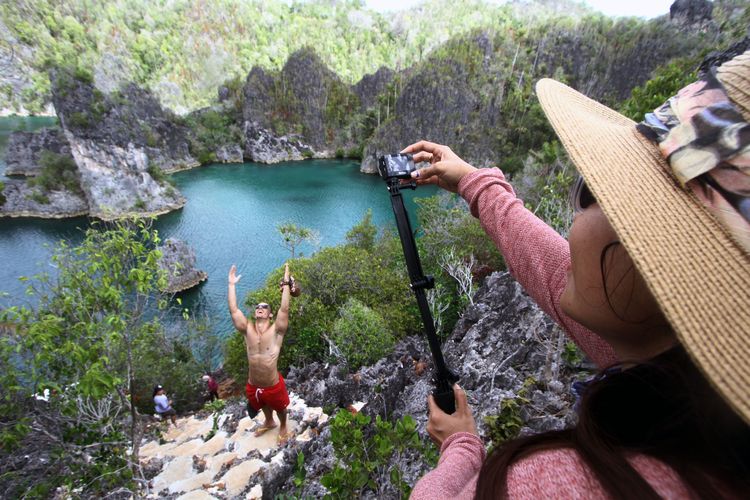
(653, 284)
(213, 386)
(163, 405)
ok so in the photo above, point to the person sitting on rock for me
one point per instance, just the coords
(163, 405)
(265, 387)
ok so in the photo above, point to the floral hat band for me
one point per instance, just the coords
(706, 141)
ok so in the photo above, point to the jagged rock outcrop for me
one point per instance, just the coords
(502, 347)
(471, 95)
(117, 182)
(229, 153)
(22, 200)
(691, 12)
(122, 143)
(25, 149)
(178, 260)
(262, 146)
(305, 101)
(229, 461)
(371, 86)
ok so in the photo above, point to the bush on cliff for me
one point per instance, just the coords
(59, 172)
(361, 335)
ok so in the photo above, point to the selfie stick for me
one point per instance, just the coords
(444, 378)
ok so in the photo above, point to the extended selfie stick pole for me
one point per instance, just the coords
(444, 378)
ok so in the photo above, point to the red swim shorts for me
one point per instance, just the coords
(275, 397)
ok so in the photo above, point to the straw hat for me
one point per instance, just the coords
(696, 269)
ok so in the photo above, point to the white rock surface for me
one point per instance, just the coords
(227, 472)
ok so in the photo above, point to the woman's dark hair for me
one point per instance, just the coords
(664, 409)
(157, 388)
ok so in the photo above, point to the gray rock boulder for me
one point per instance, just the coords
(25, 149)
(305, 99)
(230, 153)
(21, 200)
(262, 146)
(178, 260)
(691, 12)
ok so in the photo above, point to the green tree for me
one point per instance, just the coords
(293, 235)
(363, 235)
(91, 343)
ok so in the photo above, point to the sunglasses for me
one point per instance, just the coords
(263, 305)
(580, 196)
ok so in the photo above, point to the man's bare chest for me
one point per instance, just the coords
(261, 343)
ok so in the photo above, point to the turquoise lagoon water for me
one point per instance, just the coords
(230, 218)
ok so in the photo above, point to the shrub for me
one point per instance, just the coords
(235, 357)
(2, 195)
(79, 120)
(58, 172)
(361, 335)
(157, 174)
(364, 456)
(666, 82)
(139, 204)
(364, 233)
(507, 423)
(40, 198)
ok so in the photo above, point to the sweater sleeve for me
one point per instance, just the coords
(455, 476)
(536, 255)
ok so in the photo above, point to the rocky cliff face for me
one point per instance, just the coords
(25, 149)
(503, 347)
(475, 93)
(22, 200)
(122, 143)
(178, 260)
(307, 108)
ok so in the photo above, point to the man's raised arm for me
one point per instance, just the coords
(238, 318)
(282, 318)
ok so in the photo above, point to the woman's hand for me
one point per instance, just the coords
(446, 168)
(441, 426)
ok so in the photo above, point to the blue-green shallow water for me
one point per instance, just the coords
(230, 218)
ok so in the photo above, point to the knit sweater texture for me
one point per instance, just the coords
(539, 259)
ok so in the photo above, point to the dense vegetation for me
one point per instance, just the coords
(185, 49)
(80, 365)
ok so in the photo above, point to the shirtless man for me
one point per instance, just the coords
(265, 387)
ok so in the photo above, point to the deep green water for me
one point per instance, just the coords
(230, 218)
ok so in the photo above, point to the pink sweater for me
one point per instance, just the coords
(538, 258)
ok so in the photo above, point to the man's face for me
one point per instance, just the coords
(262, 311)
